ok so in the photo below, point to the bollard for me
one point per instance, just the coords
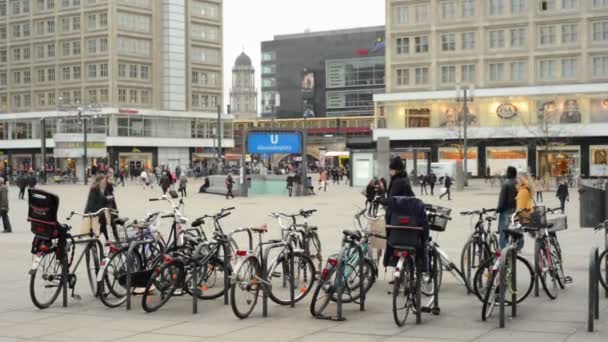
(291, 279)
(195, 288)
(361, 277)
(591, 289)
(339, 288)
(502, 275)
(227, 269)
(596, 284)
(64, 277)
(514, 284)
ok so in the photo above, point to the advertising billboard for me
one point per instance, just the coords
(274, 143)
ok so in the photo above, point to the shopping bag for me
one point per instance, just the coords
(90, 224)
(443, 190)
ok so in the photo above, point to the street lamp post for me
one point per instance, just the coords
(83, 119)
(465, 99)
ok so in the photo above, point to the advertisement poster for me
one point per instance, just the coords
(548, 111)
(599, 161)
(571, 112)
(599, 110)
(452, 117)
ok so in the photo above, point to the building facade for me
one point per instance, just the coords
(139, 63)
(243, 96)
(539, 70)
(318, 74)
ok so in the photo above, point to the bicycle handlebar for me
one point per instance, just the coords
(110, 210)
(477, 212)
(603, 225)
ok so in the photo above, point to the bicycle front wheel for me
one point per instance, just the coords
(280, 274)
(324, 293)
(246, 287)
(491, 295)
(604, 269)
(45, 281)
(525, 279)
(163, 283)
(404, 293)
(545, 271)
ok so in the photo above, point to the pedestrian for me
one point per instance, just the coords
(506, 204)
(183, 181)
(229, 184)
(205, 186)
(370, 195)
(488, 174)
(121, 177)
(447, 184)
(422, 180)
(21, 184)
(32, 180)
(323, 181)
(111, 203)
(563, 195)
(524, 200)
(97, 200)
(400, 184)
(144, 178)
(309, 185)
(538, 186)
(290, 184)
(4, 206)
(432, 181)
(165, 182)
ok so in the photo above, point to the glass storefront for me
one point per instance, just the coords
(132, 161)
(452, 154)
(499, 158)
(559, 162)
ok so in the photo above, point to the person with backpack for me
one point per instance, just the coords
(506, 204)
(165, 182)
(400, 184)
(229, 184)
(370, 195)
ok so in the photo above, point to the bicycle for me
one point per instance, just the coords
(492, 287)
(603, 259)
(254, 273)
(307, 239)
(53, 267)
(343, 270)
(481, 244)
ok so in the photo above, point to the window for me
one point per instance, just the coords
(122, 70)
(103, 20)
(26, 29)
(569, 69)
(50, 26)
(600, 3)
(133, 71)
(65, 73)
(76, 48)
(194, 77)
(548, 5)
(569, 33)
(195, 100)
(16, 31)
(3, 56)
(92, 95)
(132, 96)
(3, 9)
(547, 35)
(403, 76)
(40, 5)
(92, 71)
(422, 13)
(600, 31)
(66, 48)
(422, 75)
(16, 77)
(16, 55)
(65, 98)
(144, 72)
(448, 42)
(103, 45)
(448, 9)
(92, 46)
(41, 74)
(518, 71)
(600, 66)
(65, 24)
(41, 100)
(50, 75)
(103, 70)
(422, 44)
(65, 3)
(3, 78)
(468, 73)
(497, 7)
(16, 7)
(448, 74)
(145, 96)
(122, 95)
(76, 23)
(497, 72)
(548, 70)
(403, 46)
(39, 28)
(92, 22)
(269, 82)
(401, 15)
(104, 95)
(518, 37)
(76, 72)
(268, 56)
(468, 40)
(468, 8)
(17, 103)
(497, 39)
(518, 6)
(77, 96)
(51, 98)
(50, 50)
(569, 4)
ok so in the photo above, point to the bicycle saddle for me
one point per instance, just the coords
(354, 234)
(517, 234)
(121, 221)
(490, 218)
(261, 230)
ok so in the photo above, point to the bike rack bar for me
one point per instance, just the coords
(132, 247)
(266, 287)
(513, 284)
(593, 309)
(502, 276)
(536, 273)
(243, 230)
(64, 277)
(361, 274)
(339, 288)
(228, 270)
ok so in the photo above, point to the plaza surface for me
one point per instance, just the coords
(540, 319)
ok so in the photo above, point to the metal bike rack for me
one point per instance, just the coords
(510, 251)
(196, 290)
(266, 287)
(65, 272)
(132, 247)
(594, 289)
(340, 286)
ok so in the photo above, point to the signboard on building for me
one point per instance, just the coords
(274, 143)
(72, 146)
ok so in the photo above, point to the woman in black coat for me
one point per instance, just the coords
(97, 200)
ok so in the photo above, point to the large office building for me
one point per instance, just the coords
(146, 73)
(539, 69)
(319, 74)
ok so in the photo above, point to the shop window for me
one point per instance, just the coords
(419, 117)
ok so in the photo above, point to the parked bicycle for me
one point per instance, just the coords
(480, 246)
(307, 238)
(603, 259)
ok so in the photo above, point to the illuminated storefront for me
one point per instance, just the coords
(551, 130)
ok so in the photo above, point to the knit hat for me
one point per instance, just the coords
(396, 164)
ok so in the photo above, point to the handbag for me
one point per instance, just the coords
(90, 224)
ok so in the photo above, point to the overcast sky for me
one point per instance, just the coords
(249, 22)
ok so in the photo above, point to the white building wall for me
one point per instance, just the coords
(174, 55)
(174, 156)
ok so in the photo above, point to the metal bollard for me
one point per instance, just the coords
(195, 289)
(340, 288)
(596, 284)
(502, 283)
(361, 277)
(291, 280)
(64, 277)
(514, 284)
(591, 289)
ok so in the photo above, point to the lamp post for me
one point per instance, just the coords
(465, 95)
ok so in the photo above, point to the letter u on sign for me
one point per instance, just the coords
(274, 139)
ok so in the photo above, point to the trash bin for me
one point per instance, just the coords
(592, 205)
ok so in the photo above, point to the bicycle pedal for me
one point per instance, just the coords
(426, 310)
(435, 311)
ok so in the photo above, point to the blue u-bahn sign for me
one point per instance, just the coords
(274, 143)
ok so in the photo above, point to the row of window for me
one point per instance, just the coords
(205, 78)
(95, 71)
(71, 48)
(551, 69)
(134, 71)
(204, 9)
(549, 35)
(134, 96)
(205, 55)
(205, 32)
(463, 9)
(204, 101)
(133, 22)
(134, 47)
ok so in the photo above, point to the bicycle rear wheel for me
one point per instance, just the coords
(545, 271)
(604, 269)
(427, 282)
(210, 279)
(404, 293)
(491, 295)
(45, 281)
(246, 287)
(351, 281)
(163, 283)
(324, 293)
(111, 292)
(525, 279)
(558, 265)
(473, 256)
(280, 274)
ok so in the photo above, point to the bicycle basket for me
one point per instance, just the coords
(558, 223)
(42, 213)
(535, 219)
(436, 223)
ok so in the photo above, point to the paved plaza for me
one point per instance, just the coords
(540, 319)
